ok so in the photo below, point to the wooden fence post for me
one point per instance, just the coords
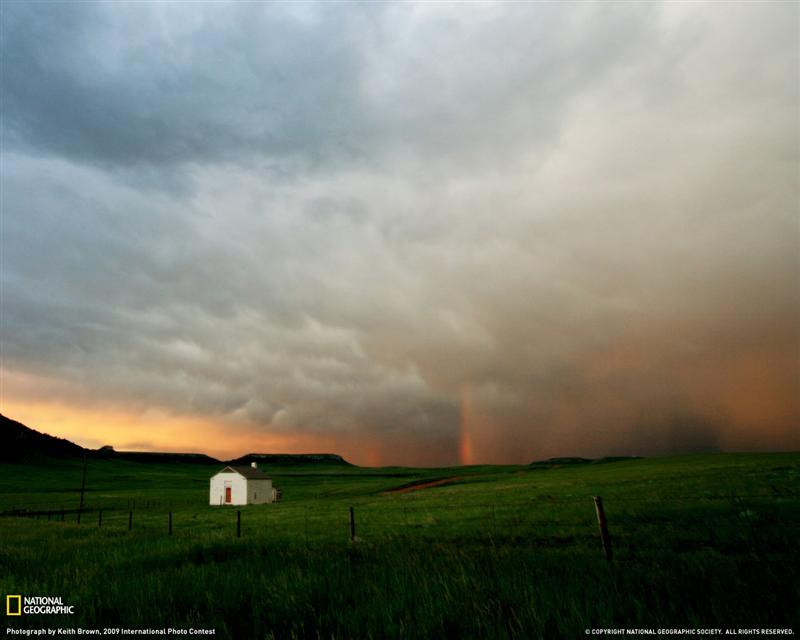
(352, 525)
(62, 514)
(170, 523)
(130, 520)
(238, 524)
(603, 524)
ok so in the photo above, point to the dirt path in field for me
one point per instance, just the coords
(424, 484)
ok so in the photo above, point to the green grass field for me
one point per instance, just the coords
(499, 552)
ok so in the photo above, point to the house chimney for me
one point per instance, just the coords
(254, 465)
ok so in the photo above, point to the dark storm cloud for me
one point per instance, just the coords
(125, 84)
(544, 229)
(120, 85)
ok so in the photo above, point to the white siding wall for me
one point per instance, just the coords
(216, 493)
(238, 486)
(259, 491)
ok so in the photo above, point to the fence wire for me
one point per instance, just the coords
(756, 524)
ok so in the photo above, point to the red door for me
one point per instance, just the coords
(227, 495)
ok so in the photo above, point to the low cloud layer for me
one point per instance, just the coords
(413, 233)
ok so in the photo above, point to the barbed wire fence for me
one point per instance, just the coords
(620, 526)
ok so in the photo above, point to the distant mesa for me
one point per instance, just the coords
(153, 457)
(110, 453)
(289, 459)
(562, 461)
(552, 463)
(22, 444)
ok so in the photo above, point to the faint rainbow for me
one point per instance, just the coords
(465, 444)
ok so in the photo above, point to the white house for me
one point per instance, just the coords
(241, 485)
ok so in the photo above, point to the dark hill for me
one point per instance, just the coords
(291, 459)
(19, 443)
(153, 457)
(551, 463)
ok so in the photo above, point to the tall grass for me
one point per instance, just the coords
(707, 541)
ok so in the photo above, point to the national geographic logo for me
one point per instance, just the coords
(41, 605)
(13, 605)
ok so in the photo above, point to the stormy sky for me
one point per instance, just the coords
(409, 233)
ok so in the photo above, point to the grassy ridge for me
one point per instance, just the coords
(498, 552)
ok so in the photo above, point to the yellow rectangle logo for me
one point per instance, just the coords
(10, 609)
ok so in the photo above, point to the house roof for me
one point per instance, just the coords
(248, 472)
